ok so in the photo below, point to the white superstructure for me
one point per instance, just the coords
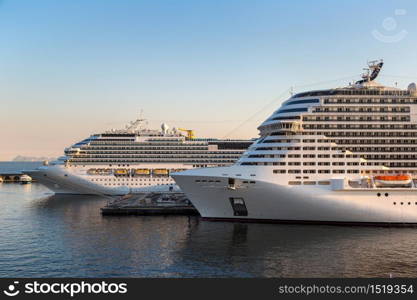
(134, 160)
(343, 155)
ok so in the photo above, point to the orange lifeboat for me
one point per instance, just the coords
(160, 172)
(392, 180)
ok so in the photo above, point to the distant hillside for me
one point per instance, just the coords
(32, 158)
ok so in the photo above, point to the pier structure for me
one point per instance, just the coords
(169, 203)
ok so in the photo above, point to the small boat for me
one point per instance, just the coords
(91, 171)
(25, 179)
(160, 172)
(103, 171)
(142, 171)
(120, 172)
(392, 180)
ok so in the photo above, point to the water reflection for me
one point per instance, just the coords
(273, 250)
(61, 235)
(114, 246)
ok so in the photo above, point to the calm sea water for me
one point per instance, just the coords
(44, 235)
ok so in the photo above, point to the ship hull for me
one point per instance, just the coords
(50, 183)
(62, 180)
(272, 202)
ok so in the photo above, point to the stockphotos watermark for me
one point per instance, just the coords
(72, 289)
(391, 33)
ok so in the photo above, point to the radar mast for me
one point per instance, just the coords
(374, 67)
(135, 125)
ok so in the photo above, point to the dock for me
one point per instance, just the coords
(171, 203)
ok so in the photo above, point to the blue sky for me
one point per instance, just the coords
(71, 68)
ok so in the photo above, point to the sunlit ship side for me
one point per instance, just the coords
(134, 160)
(343, 155)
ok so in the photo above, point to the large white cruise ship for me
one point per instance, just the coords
(134, 160)
(342, 155)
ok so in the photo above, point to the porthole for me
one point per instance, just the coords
(379, 194)
(386, 194)
(402, 203)
(395, 203)
(409, 203)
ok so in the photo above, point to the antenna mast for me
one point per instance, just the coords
(135, 125)
(374, 67)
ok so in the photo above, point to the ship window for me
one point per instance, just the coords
(287, 118)
(294, 182)
(304, 109)
(309, 182)
(303, 101)
(324, 171)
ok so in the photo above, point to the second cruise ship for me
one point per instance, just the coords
(134, 160)
(341, 155)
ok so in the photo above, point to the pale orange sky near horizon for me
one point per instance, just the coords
(48, 139)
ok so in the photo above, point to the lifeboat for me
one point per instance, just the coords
(142, 171)
(106, 171)
(392, 180)
(120, 172)
(103, 171)
(160, 172)
(25, 179)
(92, 171)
